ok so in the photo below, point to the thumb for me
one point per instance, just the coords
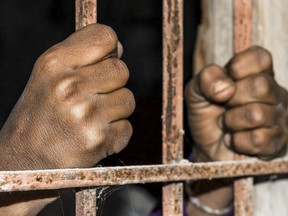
(205, 95)
(211, 85)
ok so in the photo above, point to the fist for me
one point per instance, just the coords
(239, 108)
(72, 112)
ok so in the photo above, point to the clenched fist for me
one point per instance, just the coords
(72, 112)
(239, 108)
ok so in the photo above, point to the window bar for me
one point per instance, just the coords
(85, 14)
(103, 176)
(243, 188)
(172, 118)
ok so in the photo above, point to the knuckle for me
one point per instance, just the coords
(234, 66)
(261, 86)
(48, 60)
(263, 57)
(81, 112)
(110, 33)
(103, 34)
(122, 67)
(258, 140)
(128, 98)
(119, 69)
(121, 137)
(254, 114)
(95, 136)
(95, 34)
(67, 87)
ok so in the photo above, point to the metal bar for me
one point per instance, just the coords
(172, 118)
(86, 202)
(243, 188)
(242, 25)
(85, 14)
(71, 178)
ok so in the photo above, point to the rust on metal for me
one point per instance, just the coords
(85, 202)
(72, 178)
(242, 25)
(172, 134)
(85, 14)
(172, 81)
(243, 188)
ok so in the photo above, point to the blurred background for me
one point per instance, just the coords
(28, 28)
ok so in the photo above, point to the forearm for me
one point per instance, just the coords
(21, 203)
(25, 203)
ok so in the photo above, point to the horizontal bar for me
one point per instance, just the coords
(71, 178)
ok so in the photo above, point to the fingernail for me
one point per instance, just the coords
(220, 122)
(227, 140)
(220, 86)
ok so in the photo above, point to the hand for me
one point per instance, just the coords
(73, 109)
(239, 108)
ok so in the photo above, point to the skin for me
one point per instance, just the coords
(236, 109)
(71, 114)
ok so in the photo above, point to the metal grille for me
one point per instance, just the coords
(174, 168)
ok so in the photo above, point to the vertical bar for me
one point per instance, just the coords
(86, 202)
(172, 118)
(243, 188)
(85, 14)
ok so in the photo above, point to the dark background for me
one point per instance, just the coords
(29, 27)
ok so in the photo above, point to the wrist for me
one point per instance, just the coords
(15, 154)
(209, 197)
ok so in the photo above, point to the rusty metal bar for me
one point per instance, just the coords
(71, 178)
(85, 14)
(243, 188)
(86, 202)
(172, 134)
(242, 25)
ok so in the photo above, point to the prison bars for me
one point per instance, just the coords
(174, 169)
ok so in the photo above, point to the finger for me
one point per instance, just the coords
(86, 46)
(251, 61)
(111, 139)
(262, 142)
(114, 106)
(251, 116)
(213, 83)
(119, 136)
(106, 76)
(256, 88)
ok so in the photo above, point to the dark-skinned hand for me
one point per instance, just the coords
(238, 108)
(72, 113)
